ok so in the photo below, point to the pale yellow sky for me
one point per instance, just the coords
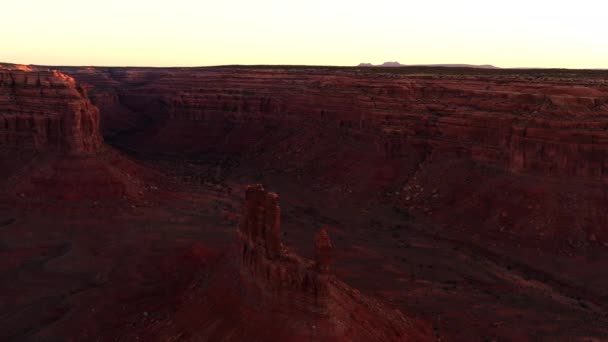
(515, 33)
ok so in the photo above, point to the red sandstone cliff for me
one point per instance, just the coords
(544, 125)
(46, 110)
(443, 143)
(538, 128)
(51, 146)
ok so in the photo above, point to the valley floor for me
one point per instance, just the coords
(108, 267)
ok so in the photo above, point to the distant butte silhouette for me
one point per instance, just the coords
(397, 64)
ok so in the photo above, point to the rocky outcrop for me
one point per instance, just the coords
(51, 148)
(261, 224)
(323, 248)
(260, 290)
(46, 110)
(298, 287)
(272, 267)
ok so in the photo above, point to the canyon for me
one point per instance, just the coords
(468, 199)
(378, 130)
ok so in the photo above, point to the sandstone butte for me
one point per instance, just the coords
(46, 110)
(50, 141)
(262, 291)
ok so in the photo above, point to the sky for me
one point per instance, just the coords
(515, 33)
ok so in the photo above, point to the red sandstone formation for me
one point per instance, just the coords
(262, 291)
(547, 125)
(45, 110)
(323, 249)
(50, 143)
(370, 130)
(445, 190)
(338, 312)
(271, 267)
(262, 221)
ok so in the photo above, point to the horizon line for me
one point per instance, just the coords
(371, 66)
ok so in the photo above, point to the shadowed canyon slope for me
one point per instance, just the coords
(67, 176)
(469, 199)
(538, 137)
(553, 126)
(509, 162)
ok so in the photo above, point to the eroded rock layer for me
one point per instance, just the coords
(44, 110)
(417, 135)
(546, 124)
(51, 148)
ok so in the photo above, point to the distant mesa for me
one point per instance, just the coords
(397, 64)
(391, 64)
(17, 67)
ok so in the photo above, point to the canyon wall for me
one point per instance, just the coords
(46, 110)
(515, 154)
(545, 125)
(538, 128)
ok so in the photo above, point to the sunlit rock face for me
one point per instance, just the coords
(51, 147)
(46, 110)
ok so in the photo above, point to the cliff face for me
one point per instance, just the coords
(535, 128)
(51, 146)
(552, 126)
(46, 110)
(459, 146)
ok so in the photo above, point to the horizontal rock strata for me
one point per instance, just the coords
(545, 125)
(46, 110)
